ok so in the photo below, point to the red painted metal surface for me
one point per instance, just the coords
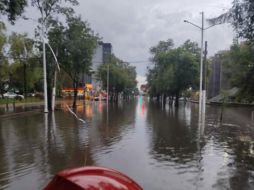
(92, 178)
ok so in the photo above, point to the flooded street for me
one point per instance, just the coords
(157, 147)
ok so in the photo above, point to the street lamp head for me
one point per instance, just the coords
(185, 21)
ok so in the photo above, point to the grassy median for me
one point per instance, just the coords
(12, 100)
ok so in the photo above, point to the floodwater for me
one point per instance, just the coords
(158, 148)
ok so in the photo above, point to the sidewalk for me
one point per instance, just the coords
(225, 103)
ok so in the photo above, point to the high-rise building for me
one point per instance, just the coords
(214, 80)
(218, 79)
(107, 51)
(100, 56)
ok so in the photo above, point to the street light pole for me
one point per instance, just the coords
(55, 77)
(204, 90)
(107, 83)
(24, 70)
(201, 93)
(44, 67)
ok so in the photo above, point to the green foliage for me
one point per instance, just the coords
(175, 70)
(162, 46)
(3, 61)
(4, 76)
(50, 8)
(75, 45)
(2, 37)
(5, 101)
(21, 47)
(26, 71)
(243, 18)
(122, 76)
(12, 8)
(239, 61)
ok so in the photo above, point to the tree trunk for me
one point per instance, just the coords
(24, 73)
(170, 102)
(117, 96)
(164, 100)
(177, 100)
(49, 89)
(158, 98)
(74, 105)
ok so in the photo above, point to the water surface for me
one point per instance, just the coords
(157, 147)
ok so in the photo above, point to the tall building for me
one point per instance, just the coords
(100, 56)
(218, 79)
(214, 80)
(107, 51)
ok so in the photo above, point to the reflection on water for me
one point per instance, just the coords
(158, 147)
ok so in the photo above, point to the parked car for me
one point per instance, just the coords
(13, 95)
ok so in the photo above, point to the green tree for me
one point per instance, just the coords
(4, 76)
(122, 78)
(240, 15)
(175, 70)
(239, 61)
(25, 70)
(75, 45)
(162, 46)
(12, 8)
(50, 11)
(243, 19)
(3, 61)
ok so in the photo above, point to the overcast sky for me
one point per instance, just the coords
(133, 26)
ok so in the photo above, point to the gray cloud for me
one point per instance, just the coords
(134, 26)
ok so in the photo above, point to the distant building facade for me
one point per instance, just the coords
(218, 79)
(100, 56)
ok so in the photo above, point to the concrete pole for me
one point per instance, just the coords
(107, 84)
(54, 91)
(201, 73)
(204, 91)
(44, 67)
(55, 77)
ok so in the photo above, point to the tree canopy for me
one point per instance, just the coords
(239, 64)
(174, 70)
(122, 77)
(75, 45)
(241, 16)
(12, 8)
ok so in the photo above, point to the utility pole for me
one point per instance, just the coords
(55, 77)
(204, 89)
(107, 84)
(44, 65)
(201, 73)
(202, 93)
(24, 70)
